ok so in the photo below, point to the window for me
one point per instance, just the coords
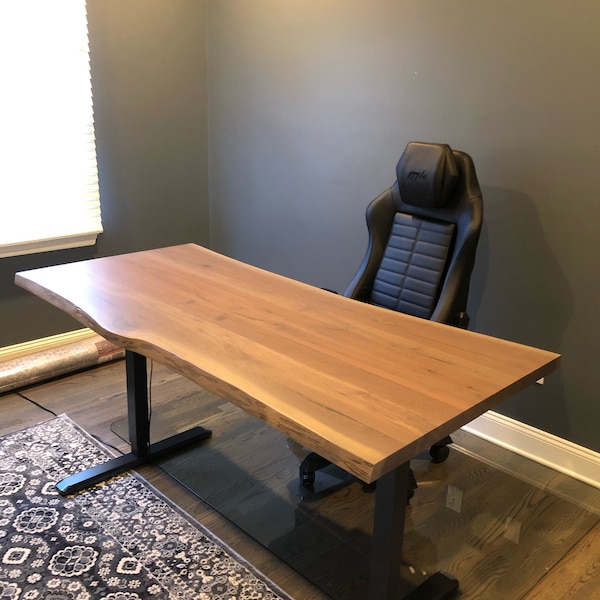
(49, 195)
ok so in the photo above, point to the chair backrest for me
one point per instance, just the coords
(423, 234)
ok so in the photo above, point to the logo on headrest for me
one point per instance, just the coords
(414, 175)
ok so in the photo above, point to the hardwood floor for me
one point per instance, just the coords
(478, 515)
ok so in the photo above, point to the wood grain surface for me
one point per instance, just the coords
(551, 549)
(365, 387)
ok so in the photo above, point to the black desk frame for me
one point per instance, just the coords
(142, 451)
(385, 582)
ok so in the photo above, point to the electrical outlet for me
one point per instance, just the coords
(454, 498)
(512, 530)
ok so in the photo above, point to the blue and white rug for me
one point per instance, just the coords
(120, 540)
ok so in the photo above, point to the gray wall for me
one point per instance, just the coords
(148, 63)
(311, 104)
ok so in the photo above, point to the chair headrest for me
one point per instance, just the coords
(427, 174)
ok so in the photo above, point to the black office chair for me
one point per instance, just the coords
(423, 233)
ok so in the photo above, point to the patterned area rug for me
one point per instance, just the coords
(118, 541)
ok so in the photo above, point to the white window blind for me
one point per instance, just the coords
(49, 195)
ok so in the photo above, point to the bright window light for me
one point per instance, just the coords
(49, 195)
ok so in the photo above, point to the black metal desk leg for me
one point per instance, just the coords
(388, 534)
(385, 582)
(137, 403)
(142, 450)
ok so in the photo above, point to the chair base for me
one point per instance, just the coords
(313, 462)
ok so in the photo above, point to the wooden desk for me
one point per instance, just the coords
(365, 387)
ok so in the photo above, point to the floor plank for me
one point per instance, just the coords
(576, 576)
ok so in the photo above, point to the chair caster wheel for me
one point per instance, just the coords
(310, 465)
(369, 488)
(439, 454)
(307, 479)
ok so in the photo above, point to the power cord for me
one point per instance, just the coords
(96, 437)
(36, 403)
(150, 375)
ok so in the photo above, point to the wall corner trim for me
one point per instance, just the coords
(549, 450)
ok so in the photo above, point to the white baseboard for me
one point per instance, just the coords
(42, 344)
(547, 449)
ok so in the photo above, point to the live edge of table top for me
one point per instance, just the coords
(366, 387)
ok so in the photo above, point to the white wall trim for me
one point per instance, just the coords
(547, 449)
(43, 344)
